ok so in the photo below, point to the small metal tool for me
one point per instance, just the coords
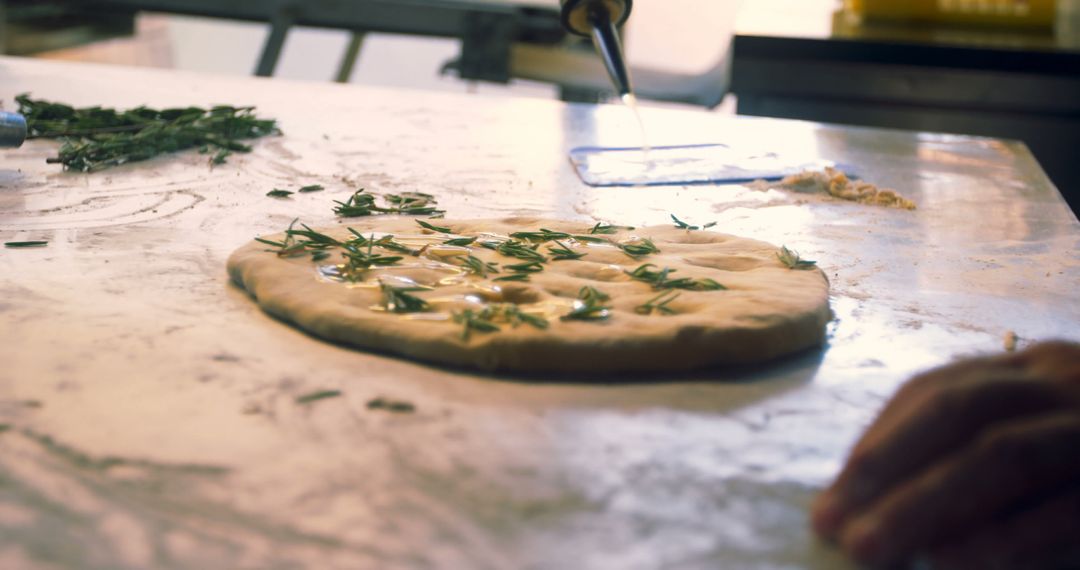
(600, 20)
(12, 130)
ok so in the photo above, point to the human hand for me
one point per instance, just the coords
(973, 465)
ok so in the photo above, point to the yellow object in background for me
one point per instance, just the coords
(1005, 13)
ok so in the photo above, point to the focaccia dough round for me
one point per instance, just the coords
(767, 310)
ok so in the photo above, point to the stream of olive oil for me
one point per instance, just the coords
(631, 103)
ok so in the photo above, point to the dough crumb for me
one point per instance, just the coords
(837, 184)
(1010, 341)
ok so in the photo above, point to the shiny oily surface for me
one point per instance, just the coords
(729, 300)
(152, 408)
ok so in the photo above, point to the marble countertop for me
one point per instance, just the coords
(149, 407)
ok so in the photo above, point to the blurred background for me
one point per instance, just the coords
(660, 37)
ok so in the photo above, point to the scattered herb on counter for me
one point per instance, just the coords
(414, 204)
(563, 253)
(396, 406)
(408, 203)
(590, 239)
(685, 226)
(96, 138)
(4, 427)
(473, 321)
(658, 303)
(359, 204)
(602, 228)
(279, 193)
(434, 228)
(310, 188)
(24, 244)
(220, 156)
(401, 300)
(659, 279)
(318, 395)
(791, 259)
(642, 248)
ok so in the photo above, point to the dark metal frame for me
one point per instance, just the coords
(487, 29)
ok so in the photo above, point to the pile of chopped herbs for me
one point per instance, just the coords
(96, 138)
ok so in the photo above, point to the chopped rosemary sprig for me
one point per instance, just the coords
(310, 188)
(474, 321)
(513, 277)
(358, 261)
(602, 228)
(685, 226)
(219, 156)
(521, 271)
(527, 267)
(563, 253)
(318, 395)
(659, 279)
(96, 138)
(636, 250)
(590, 306)
(279, 193)
(514, 248)
(590, 239)
(592, 295)
(434, 228)
(400, 299)
(359, 204)
(512, 314)
(16, 244)
(658, 303)
(408, 203)
(387, 242)
(460, 241)
(391, 405)
(543, 235)
(310, 241)
(791, 259)
(413, 204)
(479, 266)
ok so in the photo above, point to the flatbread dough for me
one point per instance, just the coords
(766, 311)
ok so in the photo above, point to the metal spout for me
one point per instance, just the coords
(12, 130)
(600, 20)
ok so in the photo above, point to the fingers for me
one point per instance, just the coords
(1004, 467)
(1045, 537)
(941, 412)
(1057, 361)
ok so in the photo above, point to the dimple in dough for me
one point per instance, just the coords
(766, 312)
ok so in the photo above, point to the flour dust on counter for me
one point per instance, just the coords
(535, 295)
